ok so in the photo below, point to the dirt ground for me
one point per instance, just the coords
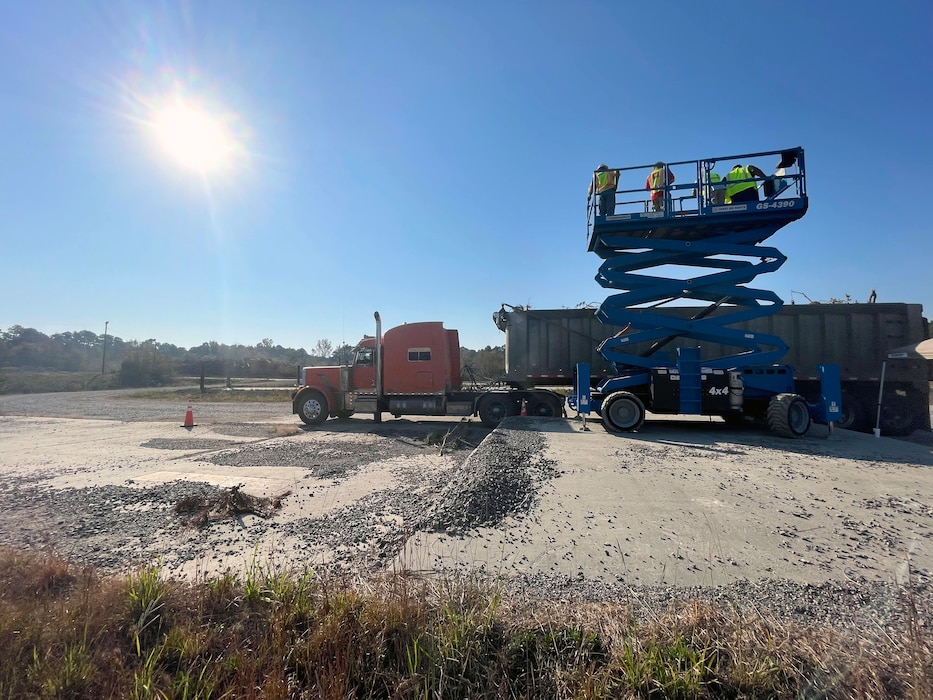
(699, 503)
(687, 503)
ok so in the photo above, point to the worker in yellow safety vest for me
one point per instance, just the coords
(738, 191)
(657, 181)
(716, 190)
(604, 184)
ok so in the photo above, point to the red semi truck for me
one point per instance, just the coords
(413, 369)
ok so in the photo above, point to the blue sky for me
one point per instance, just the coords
(429, 159)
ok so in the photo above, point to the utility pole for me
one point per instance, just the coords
(103, 362)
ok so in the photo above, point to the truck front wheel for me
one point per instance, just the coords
(312, 408)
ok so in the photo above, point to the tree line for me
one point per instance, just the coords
(152, 363)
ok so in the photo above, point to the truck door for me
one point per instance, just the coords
(363, 375)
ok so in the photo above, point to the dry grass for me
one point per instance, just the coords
(14, 380)
(285, 430)
(271, 634)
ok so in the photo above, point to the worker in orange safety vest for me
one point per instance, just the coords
(657, 180)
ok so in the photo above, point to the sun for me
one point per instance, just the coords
(195, 139)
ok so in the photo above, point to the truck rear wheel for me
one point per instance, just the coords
(622, 412)
(493, 408)
(312, 408)
(897, 417)
(789, 415)
(543, 407)
(855, 412)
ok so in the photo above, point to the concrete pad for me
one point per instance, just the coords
(691, 502)
(701, 503)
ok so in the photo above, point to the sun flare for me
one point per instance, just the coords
(194, 138)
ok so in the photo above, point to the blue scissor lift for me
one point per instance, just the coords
(699, 246)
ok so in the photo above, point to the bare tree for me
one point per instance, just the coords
(323, 348)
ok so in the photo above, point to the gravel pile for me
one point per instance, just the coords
(188, 444)
(499, 480)
(365, 536)
(109, 527)
(117, 527)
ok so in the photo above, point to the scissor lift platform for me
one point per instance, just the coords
(695, 225)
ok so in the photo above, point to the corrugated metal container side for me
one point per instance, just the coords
(548, 343)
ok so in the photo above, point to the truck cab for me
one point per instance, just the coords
(414, 369)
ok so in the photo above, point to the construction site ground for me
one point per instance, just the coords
(681, 502)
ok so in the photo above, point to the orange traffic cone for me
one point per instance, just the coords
(189, 417)
(524, 407)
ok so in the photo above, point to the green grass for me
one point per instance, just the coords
(65, 633)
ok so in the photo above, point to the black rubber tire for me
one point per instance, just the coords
(622, 412)
(543, 407)
(789, 415)
(855, 413)
(312, 407)
(897, 418)
(343, 415)
(493, 408)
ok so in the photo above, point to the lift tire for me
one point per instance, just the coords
(312, 407)
(789, 415)
(622, 412)
(495, 407)
(855, 413)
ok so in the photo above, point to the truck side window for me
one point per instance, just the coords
(364, 356)
(419, 355)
